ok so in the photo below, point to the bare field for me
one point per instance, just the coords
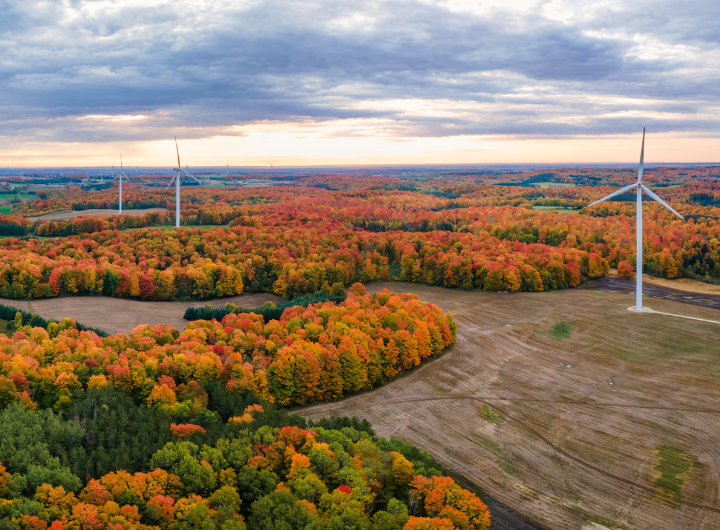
(566, 431)
(64, 215)
(116, 315)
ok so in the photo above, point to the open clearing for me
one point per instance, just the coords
(556, 209)
(569, 431)
(64, 215)
(116, 315)
(173, 227)
(553, 184)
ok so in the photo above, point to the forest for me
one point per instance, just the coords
(186, 430)
(458, 231)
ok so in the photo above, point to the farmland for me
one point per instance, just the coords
(64, 215)
(565, 427)
(122, 316)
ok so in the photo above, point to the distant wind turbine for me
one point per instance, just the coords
(120, 177)
(179, 172)
(639, 186)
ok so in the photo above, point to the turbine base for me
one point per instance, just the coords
(642, 310)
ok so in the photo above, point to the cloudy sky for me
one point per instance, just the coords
(295, 82)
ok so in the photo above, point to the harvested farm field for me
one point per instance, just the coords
(116, 315)
(566, 407)
(64, 215)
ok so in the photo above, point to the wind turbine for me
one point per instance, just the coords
(120, 176)
(639, 186)
(179, 171)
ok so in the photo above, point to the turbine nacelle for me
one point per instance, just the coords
(119, 176)
(181, 172)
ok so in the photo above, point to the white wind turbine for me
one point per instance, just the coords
(639, 186)
(179, 171)
(119, 177)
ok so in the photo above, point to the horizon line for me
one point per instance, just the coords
(558, 165)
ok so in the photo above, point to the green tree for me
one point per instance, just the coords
(52, 473)
(253, 484)
(279, 511)
(180, 459)
(37, 443)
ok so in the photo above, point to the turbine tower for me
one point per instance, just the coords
(179, 172)
(120, 177)
(639, 187)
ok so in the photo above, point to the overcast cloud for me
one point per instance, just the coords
(77, 70)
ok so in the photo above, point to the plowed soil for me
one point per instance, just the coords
(64, 215)
(564, 430)
(116, 315)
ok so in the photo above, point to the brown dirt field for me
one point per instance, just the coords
(681, 284)
(64, 215)
(569, 445)
(115, 315)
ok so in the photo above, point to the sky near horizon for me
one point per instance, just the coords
(334, 82)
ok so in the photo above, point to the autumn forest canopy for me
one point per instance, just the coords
(164, 429)
(496, 232)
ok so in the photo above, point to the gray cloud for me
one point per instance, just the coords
(604, 69)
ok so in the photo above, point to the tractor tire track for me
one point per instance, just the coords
(558, 449)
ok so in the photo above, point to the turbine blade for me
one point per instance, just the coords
(642, 158)
(178, 151)
(171, 181)
(658, 199)
(190, 175)
(613, 194)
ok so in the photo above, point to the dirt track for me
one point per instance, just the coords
(578, 420)
(115, 315)
(618, 284)
(64, 215)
